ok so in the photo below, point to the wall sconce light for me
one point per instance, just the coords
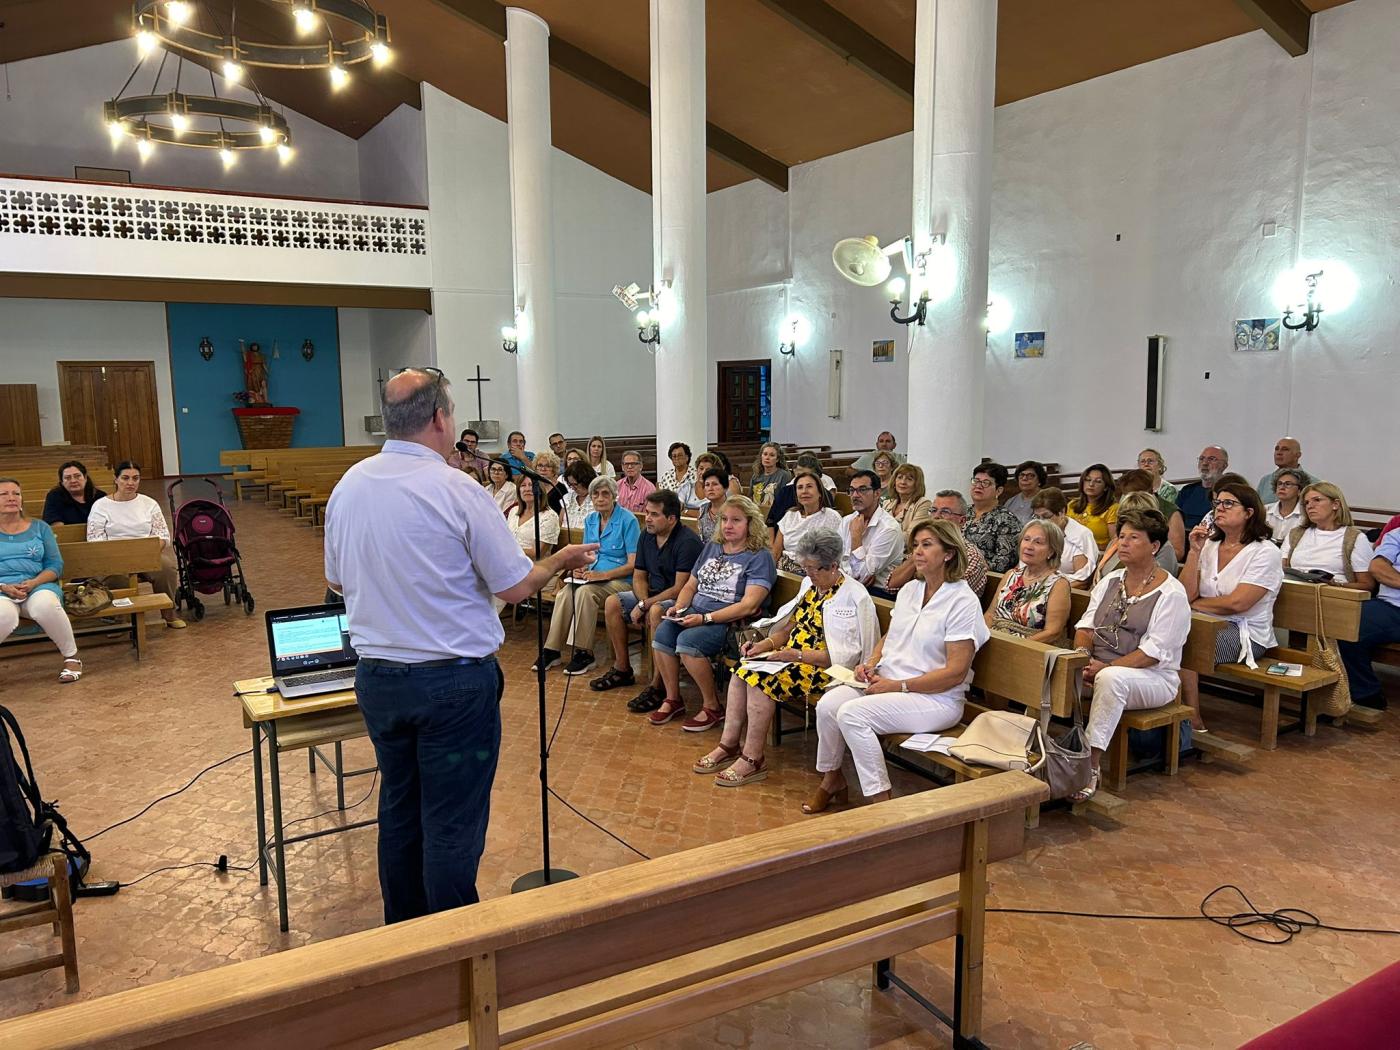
(1310, 288)
(510, 339)
(793, 333)
(308, 350)
(1311, 309)
(648, 328)
(206, 348)
(895, 290)
(999, 315)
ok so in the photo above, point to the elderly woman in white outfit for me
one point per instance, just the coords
(1133, 632)
(917, 675)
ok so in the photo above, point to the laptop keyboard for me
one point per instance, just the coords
(318, 677)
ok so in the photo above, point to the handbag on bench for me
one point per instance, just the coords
(87, 598)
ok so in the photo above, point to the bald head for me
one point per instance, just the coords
(1212, 463)
(418, 407)
(1287, 452)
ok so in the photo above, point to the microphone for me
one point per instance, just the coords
(511, 468)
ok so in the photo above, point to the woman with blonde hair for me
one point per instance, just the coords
(598, 457)
(1033, 599)
(909, 499)
(916, 676)
(1329, 540)
(1152, 461)
(883, 465)
(1166, 554)
(770, 473)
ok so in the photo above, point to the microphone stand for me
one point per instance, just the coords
(545, 875)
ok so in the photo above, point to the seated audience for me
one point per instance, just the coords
(633, 489)
(547, 466)
(1166, 554)
(558, 444)
(710, 460)
(583, 593)
(1095, 506)
(785, 498)
(770, 473)
(1194, 498)
(874, 542)
(949, 505)
(128, 515)
(906, 501)
(1228, 478)
(832, 620)
(714, 486)
(515, 453)
(1030, 479)
(1380, 625)
(1233, 571)
(666, 553)
(469, 462)
(1081, 552)
(916, 676)
(883, 465)
(30, 568)
(1329, 540)
(1286, 512)
(991, 528)
(680, 478)
(730, 584)
(71, 500)
(521, 518)
(577, 506)
(812, 510)
(1152, 461)
(1140, 480)
(884, 443)
(1287, 452)
(1033, 599)
(575, 455)
(598, 457)
(1133, 632)
(1390, 526)
(499, 484)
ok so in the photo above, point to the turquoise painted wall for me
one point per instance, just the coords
(204, 389)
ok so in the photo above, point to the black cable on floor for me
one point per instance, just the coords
(152, 805)
(374, 781)
(617, 838)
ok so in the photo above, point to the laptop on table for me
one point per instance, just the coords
(310, 650)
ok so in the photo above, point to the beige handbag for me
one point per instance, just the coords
(1333, 700)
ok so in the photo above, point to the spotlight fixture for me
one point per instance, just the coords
(648, 328)
(308, 350)
(206, 348)
(510, 339)
(793, 333)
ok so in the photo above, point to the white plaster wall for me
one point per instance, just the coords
(393, 159)
(52, 121)
(358, 392)
(35, 334)
(602, 230)
(1185, 158)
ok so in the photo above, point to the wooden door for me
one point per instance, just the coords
(743, 386)
(19, 415)
(113, 403)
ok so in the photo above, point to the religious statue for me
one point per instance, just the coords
(255, 374)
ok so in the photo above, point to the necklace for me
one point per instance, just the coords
(1142, 588)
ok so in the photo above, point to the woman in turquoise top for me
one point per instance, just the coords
(30, 567)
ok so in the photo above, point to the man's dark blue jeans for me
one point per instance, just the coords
(436, 730)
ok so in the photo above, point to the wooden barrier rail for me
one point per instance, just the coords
(611, 958)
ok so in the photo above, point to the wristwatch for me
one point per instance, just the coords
(642, 605)
(708, 618)
(904, 687)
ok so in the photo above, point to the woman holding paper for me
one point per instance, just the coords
(915, 679)
(831, 622)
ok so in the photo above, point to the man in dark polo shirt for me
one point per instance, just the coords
(666, 554)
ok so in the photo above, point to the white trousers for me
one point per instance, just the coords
(847, 718)
(1119, 689)
(44, 608)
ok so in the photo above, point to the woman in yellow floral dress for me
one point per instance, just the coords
(832, 619)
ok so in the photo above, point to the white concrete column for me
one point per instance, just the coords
(678, 219)
(954, 97)
(532, 222)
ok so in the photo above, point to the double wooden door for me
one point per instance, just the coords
(113, 403)
(743, 389)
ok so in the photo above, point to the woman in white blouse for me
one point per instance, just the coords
(811, 512)
(577, 506)
(1285, 514)
(1330, 541)
(916, 677)
(1133, 632)
(522, 522)
(1233, 571)
(1081, 553)
(128, 515)
(498, 483)
(598, 457)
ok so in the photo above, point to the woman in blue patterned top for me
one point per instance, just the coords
(30, 567)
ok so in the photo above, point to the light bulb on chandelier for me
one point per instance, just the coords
(144, 148)
(233, 72)
(179, 123)
(228, 157)
(178, 11)
(145, 42)
(285, 152)
(339, 78)
(379, 53)
(305, 18)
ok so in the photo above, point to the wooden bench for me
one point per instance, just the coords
(613, 958)
(84, 561)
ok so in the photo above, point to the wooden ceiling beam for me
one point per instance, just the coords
(1287, 21)
(593, 72)
(861, 49)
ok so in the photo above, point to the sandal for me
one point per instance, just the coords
(648, 700)
(613, 679)
(823, 798)
(704, 719)
(706, 764)
(668, 710)
(1089, 791)
(69, 674)
(731, 778)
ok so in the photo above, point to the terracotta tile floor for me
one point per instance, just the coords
(1313, 825)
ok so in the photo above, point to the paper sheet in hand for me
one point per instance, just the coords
(765, 666)
(930, 742)
(845, 676)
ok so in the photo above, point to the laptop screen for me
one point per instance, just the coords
(310, 639)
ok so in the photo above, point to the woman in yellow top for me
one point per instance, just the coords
(1096, 505)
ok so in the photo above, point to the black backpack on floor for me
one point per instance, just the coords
(26, 820)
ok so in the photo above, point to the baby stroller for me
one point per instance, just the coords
(205, 552)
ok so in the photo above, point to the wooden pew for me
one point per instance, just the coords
(83, 561)
(613, 958)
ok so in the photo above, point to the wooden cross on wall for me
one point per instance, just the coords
(478, 381)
